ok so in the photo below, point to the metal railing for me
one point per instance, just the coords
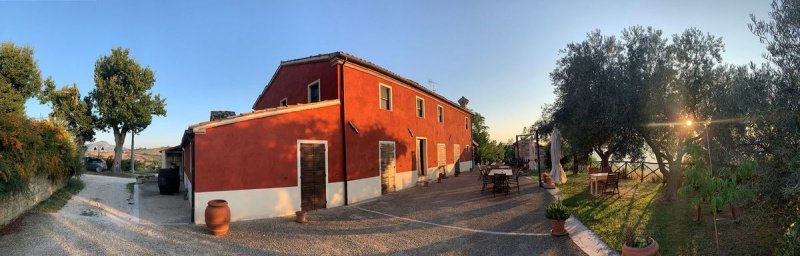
(639, 170)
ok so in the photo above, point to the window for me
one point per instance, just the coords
(420, 107)
(313, 92)
(385, 96)
(466, 123)
(440, 112)
(284, 102)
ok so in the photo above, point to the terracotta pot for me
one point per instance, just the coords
(425, 183)
(439, 180)
(457, 173)
(650, 250)
(300, 216)
(218, 217)
(557, 228)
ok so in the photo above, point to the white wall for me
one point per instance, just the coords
(363, 189)
(335, 194)
(404, 180)
(251, 204)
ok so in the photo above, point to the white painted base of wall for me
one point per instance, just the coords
(335, 194)
(188, 190)
(251, 204)
(363, 189)
(465, 166)
(404, 180)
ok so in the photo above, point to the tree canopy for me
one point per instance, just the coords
(20, 77)
(122, 97)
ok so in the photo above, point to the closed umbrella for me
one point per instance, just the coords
(557, 173)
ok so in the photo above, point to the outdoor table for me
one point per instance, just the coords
(507, 172)
(593, 179)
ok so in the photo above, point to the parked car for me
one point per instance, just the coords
(95, 164)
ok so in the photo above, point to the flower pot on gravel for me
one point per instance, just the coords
(650, 250)
(557, 213)
(301, 216)
(218, 217)
(557, 228)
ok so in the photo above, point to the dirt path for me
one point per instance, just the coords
(103, 198)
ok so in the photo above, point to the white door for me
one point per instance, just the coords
(441, 151)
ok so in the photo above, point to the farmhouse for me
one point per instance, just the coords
(327, 130)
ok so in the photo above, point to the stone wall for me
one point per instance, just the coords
(39, 189)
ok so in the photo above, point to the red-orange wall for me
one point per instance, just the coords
(292, 82)
(375, 124)
(262, 153)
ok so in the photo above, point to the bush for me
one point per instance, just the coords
(29, 148)
(556, 211)
(791, 240)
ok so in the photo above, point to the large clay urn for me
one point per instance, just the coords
(649, 250)
(218, 217)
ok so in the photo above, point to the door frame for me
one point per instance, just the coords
(419, 158)
(380, 172)
(299, 171)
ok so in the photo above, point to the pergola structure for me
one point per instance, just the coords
(538, 161)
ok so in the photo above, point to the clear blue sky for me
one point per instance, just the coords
(215, 55)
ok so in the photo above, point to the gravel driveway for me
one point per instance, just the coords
(452, 218)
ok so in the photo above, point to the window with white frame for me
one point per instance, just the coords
(385, 96)
(284, 102)
(313, 92)
(440, 112)
(420, 107)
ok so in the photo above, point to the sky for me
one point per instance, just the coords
(219, 55)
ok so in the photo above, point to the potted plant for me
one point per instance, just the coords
(558, 214)
(301, 216)
(641, 245)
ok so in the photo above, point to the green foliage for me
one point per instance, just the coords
(790, 245)
(122, 97)
(721, 188)
(70, 111)
(60, 198)
(20, 77)
(594, 108)
(30, 148)
(556, 211)
(775, 118)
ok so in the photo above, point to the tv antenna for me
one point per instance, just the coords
(432, 84)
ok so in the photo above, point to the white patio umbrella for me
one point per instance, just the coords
(557, 173)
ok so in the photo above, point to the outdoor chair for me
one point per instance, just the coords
(487, 180)
(611, 183)
(514, 181)
(500, 184)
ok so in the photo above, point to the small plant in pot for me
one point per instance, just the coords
(639, 245)
(558, 214)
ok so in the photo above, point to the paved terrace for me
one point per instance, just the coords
(452, 218)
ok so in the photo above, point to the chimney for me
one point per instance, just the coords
(463, 102)
(217, 115)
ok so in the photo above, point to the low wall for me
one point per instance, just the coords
(39, 189)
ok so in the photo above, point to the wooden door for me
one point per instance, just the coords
(388, 166)
(312, 176)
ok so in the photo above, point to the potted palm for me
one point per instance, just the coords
(558, 215)
(642, 245)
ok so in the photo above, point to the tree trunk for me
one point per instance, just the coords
(674, 179)
(119, 140)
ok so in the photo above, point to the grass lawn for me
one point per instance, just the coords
(641, 206)
(60, 197)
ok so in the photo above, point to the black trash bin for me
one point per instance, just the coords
(168, 181)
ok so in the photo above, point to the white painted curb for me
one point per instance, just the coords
(582, 236)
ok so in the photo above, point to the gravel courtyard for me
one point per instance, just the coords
(452, 218)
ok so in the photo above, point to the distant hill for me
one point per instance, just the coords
(104, 150)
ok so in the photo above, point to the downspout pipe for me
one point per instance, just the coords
(343, 128)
